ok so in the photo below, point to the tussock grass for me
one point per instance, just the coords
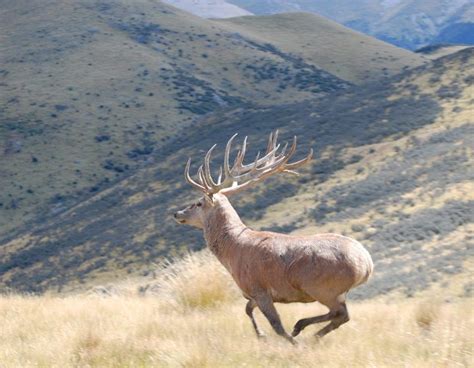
(427, 313)
(191, 318)
(195, 281)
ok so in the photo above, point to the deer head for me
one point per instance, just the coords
(235, 178)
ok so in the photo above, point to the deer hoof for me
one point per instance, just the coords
(292, 340)
(297, 329)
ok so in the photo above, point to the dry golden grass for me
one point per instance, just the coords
(195, 319)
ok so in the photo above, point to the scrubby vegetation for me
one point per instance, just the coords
(112, 82)
(391, 169)
(191, 315)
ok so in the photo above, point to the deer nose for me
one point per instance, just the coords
(176, 215)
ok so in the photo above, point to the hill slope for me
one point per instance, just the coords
(347, 54)
(405, 23)
(90, 89)
(393, 168)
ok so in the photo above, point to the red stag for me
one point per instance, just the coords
(270, 267)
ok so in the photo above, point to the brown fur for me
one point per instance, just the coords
(270, 267)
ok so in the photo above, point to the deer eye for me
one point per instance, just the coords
(199, 204)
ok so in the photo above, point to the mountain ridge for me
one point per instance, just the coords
(406, 23)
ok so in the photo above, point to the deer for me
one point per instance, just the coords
(271, 267)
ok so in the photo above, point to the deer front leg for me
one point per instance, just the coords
(249, 310)
(265, 304)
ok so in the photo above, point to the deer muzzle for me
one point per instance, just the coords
(179, 217)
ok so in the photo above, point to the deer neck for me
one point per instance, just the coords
(222, 230)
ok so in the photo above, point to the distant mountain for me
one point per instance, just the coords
(406, 23)
(209, 8)
(460, 29)
(392, 168)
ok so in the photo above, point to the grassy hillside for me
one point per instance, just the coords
(90, 90)
(405, 23)
(347, 54)
(392, 168)
(409, 197)
(202, 324)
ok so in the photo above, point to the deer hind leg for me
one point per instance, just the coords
(251, 304)
(265, 304)
(305, 322)
(337, 315)
(341, 317)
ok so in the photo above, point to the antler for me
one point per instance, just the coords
(238, 177)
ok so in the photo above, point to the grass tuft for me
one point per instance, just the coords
(427, 313)
(197, 281)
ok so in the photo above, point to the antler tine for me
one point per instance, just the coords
(240, 156)
(202, 179)
(255, 164)
(283, 151)
(270, 144)
(227, 155)
(295, 165)
(190, 180)
(283, 158)
(219, 177)
(275, 137)
(207, 168)
(292, 150)
(281, 155)
(205, 180)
